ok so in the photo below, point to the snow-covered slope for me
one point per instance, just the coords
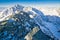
(10, 11)
(49, 24)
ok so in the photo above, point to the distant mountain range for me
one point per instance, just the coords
(2, 8)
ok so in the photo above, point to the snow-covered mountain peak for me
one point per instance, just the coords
(10, 11)
(45, 22)
(17, 5)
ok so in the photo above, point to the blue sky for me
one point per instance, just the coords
(30, 2)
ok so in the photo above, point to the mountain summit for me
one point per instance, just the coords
(10, 11)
